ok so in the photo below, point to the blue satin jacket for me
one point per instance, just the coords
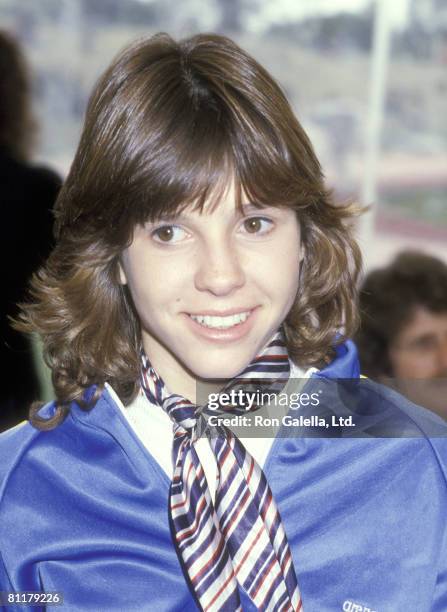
(84, 511)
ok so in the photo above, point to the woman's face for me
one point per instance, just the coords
(418, 357)
(212, 288)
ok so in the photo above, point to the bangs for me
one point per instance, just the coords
(188, 140)
(194, 165)
(170, 128)
(200, 156)
(205, 153)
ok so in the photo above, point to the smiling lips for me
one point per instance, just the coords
(221, 322)
(220, 327)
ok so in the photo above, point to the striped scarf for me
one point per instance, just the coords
(239, 539)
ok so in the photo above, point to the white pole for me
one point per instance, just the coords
(377, 92)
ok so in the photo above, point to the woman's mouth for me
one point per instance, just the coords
(222, 327)
(221, 322)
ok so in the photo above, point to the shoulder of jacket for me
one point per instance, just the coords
(415, 421)
(15, 444)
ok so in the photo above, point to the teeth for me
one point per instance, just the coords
(221, 322)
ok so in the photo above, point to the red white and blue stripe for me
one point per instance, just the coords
(239, 541)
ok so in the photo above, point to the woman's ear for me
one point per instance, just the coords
(122, 274)
(302, 252)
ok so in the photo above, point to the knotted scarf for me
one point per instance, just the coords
(240, 538)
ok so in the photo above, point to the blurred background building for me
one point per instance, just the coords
(367, 79)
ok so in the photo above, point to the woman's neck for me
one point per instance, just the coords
(174, 375)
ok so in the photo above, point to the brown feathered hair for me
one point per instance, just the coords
(167, 122)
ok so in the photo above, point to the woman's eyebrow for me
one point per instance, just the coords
(252, 206)
(168, 218)
(184, 216)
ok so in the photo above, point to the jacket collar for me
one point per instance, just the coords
(345, 363)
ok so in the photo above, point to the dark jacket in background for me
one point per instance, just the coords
(27, 195)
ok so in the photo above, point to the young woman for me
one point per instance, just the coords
(196, 241)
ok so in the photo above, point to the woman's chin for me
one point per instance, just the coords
(218, 371)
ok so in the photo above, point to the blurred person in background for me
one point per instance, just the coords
(402, 339)
(28, 193)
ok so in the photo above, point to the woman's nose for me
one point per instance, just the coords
(219, 269)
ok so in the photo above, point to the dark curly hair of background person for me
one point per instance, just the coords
(388, 298)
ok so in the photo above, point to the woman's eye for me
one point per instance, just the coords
(257, 225)
(169, 233)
